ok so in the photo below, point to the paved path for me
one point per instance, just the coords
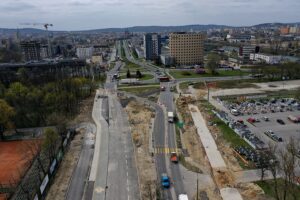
(208, 142)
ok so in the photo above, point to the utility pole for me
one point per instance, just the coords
(197, 187)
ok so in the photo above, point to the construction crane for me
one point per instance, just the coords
(45, 25)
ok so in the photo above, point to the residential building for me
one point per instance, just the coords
(269, 59)
(293, 30)
(84, 52)
(31, 50)
(284, 30)
(152, 46)
(186, 48)
(239, 38)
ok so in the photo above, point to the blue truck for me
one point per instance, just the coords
(165, 181)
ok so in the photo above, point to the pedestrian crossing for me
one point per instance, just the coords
(165, 150)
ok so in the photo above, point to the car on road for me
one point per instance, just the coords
(165, 181)
(280, 121)
(162, 88)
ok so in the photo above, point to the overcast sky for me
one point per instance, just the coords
(91, 14)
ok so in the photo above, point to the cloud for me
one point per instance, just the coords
(84, 14)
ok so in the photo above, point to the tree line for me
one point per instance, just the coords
(26, 105)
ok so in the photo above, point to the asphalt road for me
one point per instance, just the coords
(80, 174)
(116, 174)
(166, 98)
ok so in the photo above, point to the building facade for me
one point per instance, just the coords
(269, 59)
(186, 48)
(152, 46)
(84, 52)
(245, 51)
(31, 50)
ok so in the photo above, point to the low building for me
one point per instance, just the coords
(245, 51)
(269, 59)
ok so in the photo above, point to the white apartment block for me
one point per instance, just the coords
(269, 59)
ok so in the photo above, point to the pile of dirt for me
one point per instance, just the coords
(190, 138)
(140, 118)
(223, 178)
(251, 191)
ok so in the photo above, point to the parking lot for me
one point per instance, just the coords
(262, 115)
(290, 129)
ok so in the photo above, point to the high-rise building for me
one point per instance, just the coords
(31, 50)
(152, 46)
(186, 48)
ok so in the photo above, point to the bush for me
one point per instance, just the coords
(186, 73)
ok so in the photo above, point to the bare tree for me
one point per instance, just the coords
(274, 167)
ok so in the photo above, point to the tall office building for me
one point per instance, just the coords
(152, 46)
(31, 50)
(186, 48)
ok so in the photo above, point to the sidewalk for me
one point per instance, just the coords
(208, 142)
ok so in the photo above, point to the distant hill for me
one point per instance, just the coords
(146, 29)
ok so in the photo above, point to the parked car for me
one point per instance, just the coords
(280, 121)
(266, 118)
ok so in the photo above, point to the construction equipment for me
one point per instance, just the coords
(45, 25)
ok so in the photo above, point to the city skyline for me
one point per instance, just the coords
(94, 14)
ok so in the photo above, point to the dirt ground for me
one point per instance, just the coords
(62, 179)
(190, 138)
(140, 118)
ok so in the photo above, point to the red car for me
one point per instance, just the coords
(251, 120)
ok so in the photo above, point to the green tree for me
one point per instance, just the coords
(138, 74)
(7, 114)
(128, 75)
(213, 63)
(50, 143)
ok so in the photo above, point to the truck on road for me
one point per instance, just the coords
(170, 117)
(183, 197)
(174, 157)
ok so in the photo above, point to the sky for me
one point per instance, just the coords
(93, 14)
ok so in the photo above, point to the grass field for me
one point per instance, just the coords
(248, 83)
(144, 78)
(191, 74)
(268, 187)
